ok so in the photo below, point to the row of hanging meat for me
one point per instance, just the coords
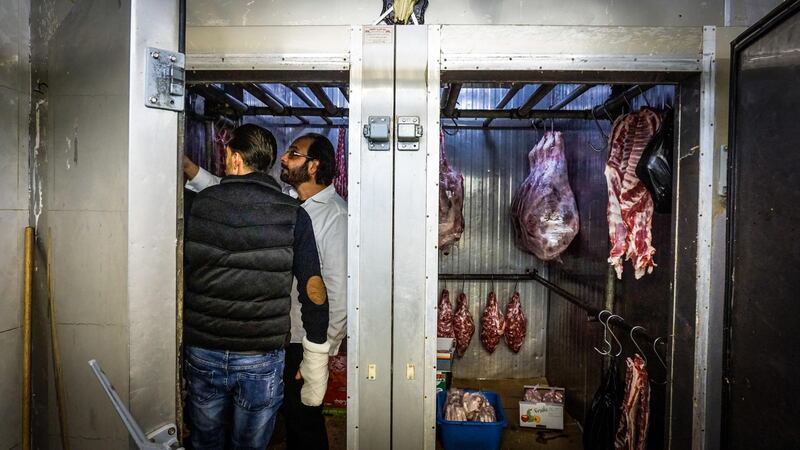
(544, 212)
(494, 325)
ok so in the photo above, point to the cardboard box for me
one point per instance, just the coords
(443, 378)
(543, 415)
(445, 345)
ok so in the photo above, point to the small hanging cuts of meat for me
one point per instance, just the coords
(493, 324)
(451, 202)
(516, 324)
(463, 325)
(543, 212)
(630, 205)
(444, 325)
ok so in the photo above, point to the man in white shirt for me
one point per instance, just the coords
(309, 166)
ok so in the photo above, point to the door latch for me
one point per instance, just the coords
(165, 79)
(377, 132)
(408, 133)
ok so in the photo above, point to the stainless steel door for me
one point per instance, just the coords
(111, 217)
(392, 262)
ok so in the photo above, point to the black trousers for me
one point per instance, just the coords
(305, 425)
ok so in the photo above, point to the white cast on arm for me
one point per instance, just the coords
(314, 370)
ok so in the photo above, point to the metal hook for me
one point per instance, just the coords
(608, 321)
(455, 124)
(627, 102)
(641, 93)
(658, 356)
(605, 333)
(641, 352)
(602, 133)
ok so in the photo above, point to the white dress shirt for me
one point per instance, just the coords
(328, 212)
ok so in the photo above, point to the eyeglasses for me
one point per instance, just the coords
(293, 154)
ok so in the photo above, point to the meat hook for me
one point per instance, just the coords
(608, 321)
(605, 333)
(602, 133)
(641, 352)
(658, 356)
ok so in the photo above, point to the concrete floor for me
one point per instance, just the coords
(336, 424)
(514, 437)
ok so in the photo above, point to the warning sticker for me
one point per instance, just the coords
(378, 35)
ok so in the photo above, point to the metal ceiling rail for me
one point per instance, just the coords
(323, 98)
(625, 98)
(216, 94)
(517, 114)
(535, 98)
(345, 93)
(580, 90)
(306, 99)
(452, 98)
(533, 275)
(512, 91)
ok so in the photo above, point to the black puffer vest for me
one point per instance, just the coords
(238, 265)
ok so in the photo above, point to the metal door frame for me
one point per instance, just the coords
(772, 20)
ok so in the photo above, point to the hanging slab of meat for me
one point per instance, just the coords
(493, 324)
(543, 212)
(340, 182)
(516, 324)
(463, 325)
(451, 202)
(633, 423)
(444, 325)
(630, 205)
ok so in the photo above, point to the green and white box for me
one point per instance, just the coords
(542, 415)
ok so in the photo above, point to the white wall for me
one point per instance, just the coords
(529, 12)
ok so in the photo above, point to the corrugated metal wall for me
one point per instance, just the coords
(560, 337)
(494, 164)
(571, 361)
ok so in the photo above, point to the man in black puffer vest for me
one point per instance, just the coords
(245, 241)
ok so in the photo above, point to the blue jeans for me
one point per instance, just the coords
(232, 394)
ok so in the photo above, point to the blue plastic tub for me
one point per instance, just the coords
(470, 435)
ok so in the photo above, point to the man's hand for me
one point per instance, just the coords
(298, 376)
(190, 169)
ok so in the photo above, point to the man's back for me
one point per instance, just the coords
(239, 257)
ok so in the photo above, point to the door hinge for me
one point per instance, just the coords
(165, 79)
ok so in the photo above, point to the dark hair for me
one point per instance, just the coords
(256, 145)
(321, 150)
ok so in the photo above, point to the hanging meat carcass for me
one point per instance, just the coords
(340, 182)
(516, 324)
(634, 420)
(451, 202)
(463, 325)
(493, 324)
(630, 205)
(543, 212)
(444, 325)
